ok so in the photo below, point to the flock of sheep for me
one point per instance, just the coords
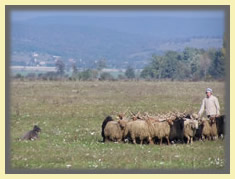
(172, 127)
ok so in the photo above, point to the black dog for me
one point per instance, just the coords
(33, 134)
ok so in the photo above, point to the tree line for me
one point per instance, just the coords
(191, 64)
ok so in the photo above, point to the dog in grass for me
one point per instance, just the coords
(32, 135)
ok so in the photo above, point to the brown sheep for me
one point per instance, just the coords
(113, 131)
(190, 127)
(137, 129)
(209, 129)
(162, 129)
(206, 130)
(214, 132)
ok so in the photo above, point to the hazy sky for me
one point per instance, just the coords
(28, 14)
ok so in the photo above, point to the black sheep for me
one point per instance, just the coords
(107, 119)
(177, 130)
(220, 125)
(198, 135)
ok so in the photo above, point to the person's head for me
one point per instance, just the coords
(208, 92)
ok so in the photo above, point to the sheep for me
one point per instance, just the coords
(111, 130)
(162, 129)
(138, 129)
(177, 130)
(220, 125)
(214, 131)
(121, 115)
(190, 127)
(206, 129)
(209, 129)
(32, 135)
(107, 119)
(194, 116)
(198, 134)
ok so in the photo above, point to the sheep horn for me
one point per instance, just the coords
(132, 113)
(147, 114)
(115, 112)
(126, 111)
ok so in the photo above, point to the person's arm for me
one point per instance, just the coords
(217, 107)
(202, 108)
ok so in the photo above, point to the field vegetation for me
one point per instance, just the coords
(70, 114)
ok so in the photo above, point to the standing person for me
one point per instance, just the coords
(211, 104)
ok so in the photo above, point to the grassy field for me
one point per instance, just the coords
(70, 115)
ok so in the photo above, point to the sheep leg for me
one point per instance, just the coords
(161, 141)
(221, 136)
(188, 139)
(200, 138)
(191, 140)
(168, 142)
(134, 142)
(133, 139)
(150, 140)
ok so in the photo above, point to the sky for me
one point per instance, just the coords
(18, 15)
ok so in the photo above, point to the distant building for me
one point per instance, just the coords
(42, 63)
(35, 54)
(56, 57)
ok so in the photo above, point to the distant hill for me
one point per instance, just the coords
(120, 40)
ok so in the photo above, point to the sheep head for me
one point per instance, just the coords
(193, 125)
(170, 122)
(212, 120)
(122, 123)
(120, 116)
(134, 118)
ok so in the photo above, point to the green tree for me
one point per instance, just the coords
(146, 72)
(169, 65)
(217, 68)
(130, 73)
(60, 67)
(100, 65)
(106, 76)
(154, 69)
(74, 68)
(192, 63)
(87, 75)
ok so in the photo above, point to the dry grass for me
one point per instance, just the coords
(70, 115)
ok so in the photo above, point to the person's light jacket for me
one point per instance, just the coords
(211, 105)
